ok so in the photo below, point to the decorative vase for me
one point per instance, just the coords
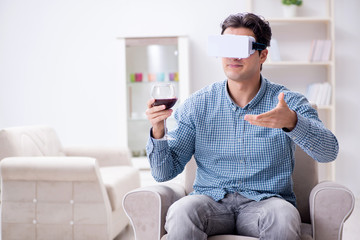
(290, 11)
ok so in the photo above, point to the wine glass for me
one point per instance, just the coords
(164, 94)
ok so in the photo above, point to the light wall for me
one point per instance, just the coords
(347, 36)
(59, 64)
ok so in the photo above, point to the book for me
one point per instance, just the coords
(326, 50)
(319, 93)
(320, 50)
(327, 97)
(312, 49)
(274, 51)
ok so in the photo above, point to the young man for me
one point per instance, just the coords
(242, 133)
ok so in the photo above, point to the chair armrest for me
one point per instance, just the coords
(106, 156)
(147, 207)
(330, 205)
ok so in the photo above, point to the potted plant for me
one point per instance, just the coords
(290, 7)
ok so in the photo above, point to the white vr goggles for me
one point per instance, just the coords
(233, 46)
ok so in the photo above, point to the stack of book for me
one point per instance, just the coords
(320, 51)
(319, 93)
(274, 53)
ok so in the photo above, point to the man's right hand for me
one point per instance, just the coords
(156, 116)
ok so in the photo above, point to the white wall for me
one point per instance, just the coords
(59, 59)
(59, 64)
(347, 51)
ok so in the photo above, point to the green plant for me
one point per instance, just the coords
(292, 2)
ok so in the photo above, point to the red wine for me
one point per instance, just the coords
(169, 102)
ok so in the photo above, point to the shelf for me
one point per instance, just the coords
(300, 20)
(141, 163)
(145, 41)
(150, 82)
(137, 119)
(329, 107)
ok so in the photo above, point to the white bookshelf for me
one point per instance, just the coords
(149, 56)
(326, 20)
(315, 20)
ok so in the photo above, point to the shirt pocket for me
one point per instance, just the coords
(266, 154)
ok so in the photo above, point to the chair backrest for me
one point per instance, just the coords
(29, 141)
(305, 177)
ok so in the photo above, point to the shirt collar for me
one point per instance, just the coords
(253, 102)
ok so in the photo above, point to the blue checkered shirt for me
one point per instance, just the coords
(234, 156)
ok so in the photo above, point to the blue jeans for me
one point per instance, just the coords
(195, 217)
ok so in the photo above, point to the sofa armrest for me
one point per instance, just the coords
(330, 205)
(147, 207)
(53, 192)
(118, 181)
(49, 168)
(106, 156)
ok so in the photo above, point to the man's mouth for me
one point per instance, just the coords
(234, 65)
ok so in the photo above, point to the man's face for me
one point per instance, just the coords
(244, 68)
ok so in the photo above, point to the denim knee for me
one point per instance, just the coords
(182, 218)
(279, 219)
(197, 217)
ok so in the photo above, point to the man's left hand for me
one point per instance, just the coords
(279, 117)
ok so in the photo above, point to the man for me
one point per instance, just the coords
(242, 133)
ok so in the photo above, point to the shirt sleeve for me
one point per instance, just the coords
(311, 134)
(168, 158)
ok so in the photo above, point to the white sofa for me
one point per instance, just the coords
(51, 192)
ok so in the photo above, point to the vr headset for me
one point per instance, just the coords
(233, 46)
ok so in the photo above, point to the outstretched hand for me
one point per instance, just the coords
(279, 117)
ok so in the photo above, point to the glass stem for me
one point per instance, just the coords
(165, 129)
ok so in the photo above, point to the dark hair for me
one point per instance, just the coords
(257, 24)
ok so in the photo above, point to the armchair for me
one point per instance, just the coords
(51, 192)
(323, 207)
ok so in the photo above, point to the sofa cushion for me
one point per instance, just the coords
(29, 141)
(118, 181)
